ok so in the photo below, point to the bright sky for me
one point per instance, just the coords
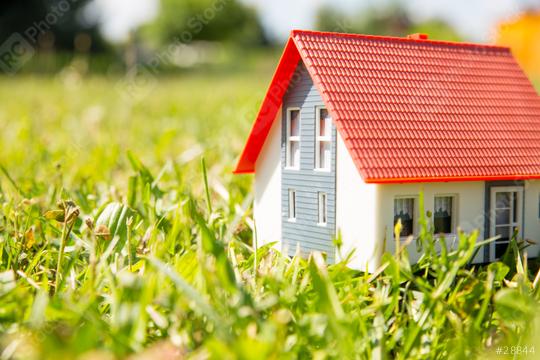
(474, 19)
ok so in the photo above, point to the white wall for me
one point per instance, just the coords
(532, 220)
(356, 204)
(267, 203)
(470, 207)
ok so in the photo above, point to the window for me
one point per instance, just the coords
(293, 138)
(506, 217)
(443, 213)
(404, 210)
(292, 204)
(323, 208)
(323, 140)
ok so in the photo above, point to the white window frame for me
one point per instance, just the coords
(292, 205)
(415, 214)
(322, 208)
(290, 139)
(454, 214)
(319, 139)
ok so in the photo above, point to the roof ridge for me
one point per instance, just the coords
(401, 39)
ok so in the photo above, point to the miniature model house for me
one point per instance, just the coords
(354, 128)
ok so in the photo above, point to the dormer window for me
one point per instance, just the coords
(293, 138)
(323, 140)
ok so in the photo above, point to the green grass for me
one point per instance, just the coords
(113, 241)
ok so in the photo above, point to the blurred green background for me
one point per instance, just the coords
(112, 37)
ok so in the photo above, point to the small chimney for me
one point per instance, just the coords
(418, 36)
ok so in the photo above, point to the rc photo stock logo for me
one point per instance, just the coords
(138, 83)
(19, 48)
(14, 53)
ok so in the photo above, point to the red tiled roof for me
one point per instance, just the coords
(413, 110)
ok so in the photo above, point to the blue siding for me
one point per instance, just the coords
(306, 181)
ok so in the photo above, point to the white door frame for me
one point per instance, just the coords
(514, 222)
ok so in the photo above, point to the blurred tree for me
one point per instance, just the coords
(213, 20)
(392, 21)
(521, 34)
(50, 24)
